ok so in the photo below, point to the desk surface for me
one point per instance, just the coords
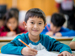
(8, 39)
(73, 52)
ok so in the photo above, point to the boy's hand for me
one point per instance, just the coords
(28, 51)
(65, 53)
(12, 33)
(49, 33)
(58, 34)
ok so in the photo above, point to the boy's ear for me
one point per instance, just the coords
(25, 25)
(44, 26)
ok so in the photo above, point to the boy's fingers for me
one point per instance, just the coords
(33, 50)
(32, 53)
(60, 54)
(72, 55)
(68, 54)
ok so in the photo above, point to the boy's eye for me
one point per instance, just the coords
(40, 23)
(32, 22)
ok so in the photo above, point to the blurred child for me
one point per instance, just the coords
(11, 21)
(72, 44)
(35, 22)
(55, 27)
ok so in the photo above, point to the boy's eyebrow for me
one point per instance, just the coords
(40, 21)
(33, 20)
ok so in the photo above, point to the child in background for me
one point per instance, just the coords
(55, 27)
(35, 23)
(72, 44)
(11, 21)
(1, 24)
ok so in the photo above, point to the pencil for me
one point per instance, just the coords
(10, 28)
(48, 28)
(24, 43)
(0, 51)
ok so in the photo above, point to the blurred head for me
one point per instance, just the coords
(15, 12)
(10, 21)
(35, 21)
(57, 21)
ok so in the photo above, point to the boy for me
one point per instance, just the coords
(72, 44)
(35, 22)
(55, 27)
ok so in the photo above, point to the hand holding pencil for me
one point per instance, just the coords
(27, 50)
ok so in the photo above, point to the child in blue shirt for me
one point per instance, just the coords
(35, 23)
(55, 27)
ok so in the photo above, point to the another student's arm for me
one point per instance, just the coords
(72, 44)
(8, 34)
(3, 34)
(67, 32)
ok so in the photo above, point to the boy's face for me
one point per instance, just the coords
(54, 29)
(12, 23)
(35, 25)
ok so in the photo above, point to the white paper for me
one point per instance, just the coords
(46, 53)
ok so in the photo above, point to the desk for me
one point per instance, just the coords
(65, 40)
(73, 52)
(8, 39)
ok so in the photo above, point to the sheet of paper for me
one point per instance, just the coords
(73, 51)
(46, 53)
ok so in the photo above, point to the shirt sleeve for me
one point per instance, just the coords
(67, 32)
(73, 39)
(54, 45)
(14, 47)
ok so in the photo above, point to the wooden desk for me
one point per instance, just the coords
(8, 39)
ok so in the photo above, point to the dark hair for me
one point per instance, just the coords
(35, 12)
(57, 19)
(15, 12)
(6, 17)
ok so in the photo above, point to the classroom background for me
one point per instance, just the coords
(48, 6)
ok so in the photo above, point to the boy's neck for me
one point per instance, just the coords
(34, 38)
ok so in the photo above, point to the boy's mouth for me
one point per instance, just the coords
(36, 30)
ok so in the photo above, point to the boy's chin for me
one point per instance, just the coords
(35, 34)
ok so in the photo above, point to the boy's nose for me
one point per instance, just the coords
(35, 26)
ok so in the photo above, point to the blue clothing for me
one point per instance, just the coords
(63, 31)
(45, 42)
